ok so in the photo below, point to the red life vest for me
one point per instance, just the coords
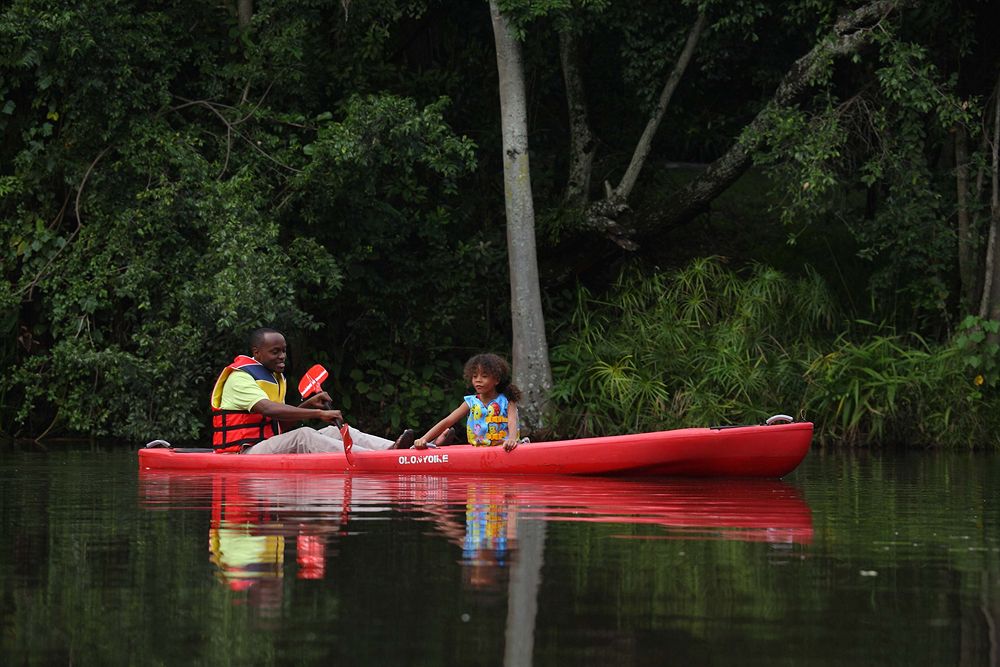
(233, 429)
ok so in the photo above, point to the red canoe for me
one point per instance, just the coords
(741, 451)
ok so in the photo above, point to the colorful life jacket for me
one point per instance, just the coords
(232, 429)
(487, 424)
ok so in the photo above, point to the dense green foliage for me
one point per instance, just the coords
(701, 341)
(170, 179)
(154, 224)
(706, 344)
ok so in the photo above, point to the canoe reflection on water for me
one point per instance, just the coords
(255, 517)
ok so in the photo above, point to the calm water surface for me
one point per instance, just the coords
(854, 558)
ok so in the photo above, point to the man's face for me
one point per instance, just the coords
(271, 352)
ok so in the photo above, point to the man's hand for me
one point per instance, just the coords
(317, 401)
(329, 416)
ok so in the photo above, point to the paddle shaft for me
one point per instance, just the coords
(345, 434)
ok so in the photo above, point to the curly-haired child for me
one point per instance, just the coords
(490, 413)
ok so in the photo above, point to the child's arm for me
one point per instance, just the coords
(511, 441)
(456, 414)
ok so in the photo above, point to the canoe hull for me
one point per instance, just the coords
(746, 451)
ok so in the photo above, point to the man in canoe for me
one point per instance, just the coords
(250, 416)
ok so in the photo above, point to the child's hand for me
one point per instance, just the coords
(419, 443)
(509, 444)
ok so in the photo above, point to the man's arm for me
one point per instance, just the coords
(242, 393)
(289, 414)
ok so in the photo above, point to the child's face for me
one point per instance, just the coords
(483, 382)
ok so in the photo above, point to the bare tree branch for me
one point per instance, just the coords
(230, 128)
(645, 143)
(849, 34)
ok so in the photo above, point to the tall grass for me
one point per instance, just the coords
(711, 345)
(885, 387)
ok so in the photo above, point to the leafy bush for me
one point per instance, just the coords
(884, 388)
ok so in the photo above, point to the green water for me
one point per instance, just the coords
(890, 559)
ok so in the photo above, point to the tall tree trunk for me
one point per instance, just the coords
(244, 12)
(645, 144)
(849, 33)
(966, 242)
(532, 372)
(989, 306)
(581, 140)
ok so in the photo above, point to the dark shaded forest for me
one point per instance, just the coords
(739, 208)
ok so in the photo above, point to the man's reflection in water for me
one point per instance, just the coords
(247, 546)
(244, 557)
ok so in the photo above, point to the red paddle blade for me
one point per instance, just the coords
(345, 433)
(312, 381)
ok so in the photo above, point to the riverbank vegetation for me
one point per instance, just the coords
(739, 208)
(707, 344)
